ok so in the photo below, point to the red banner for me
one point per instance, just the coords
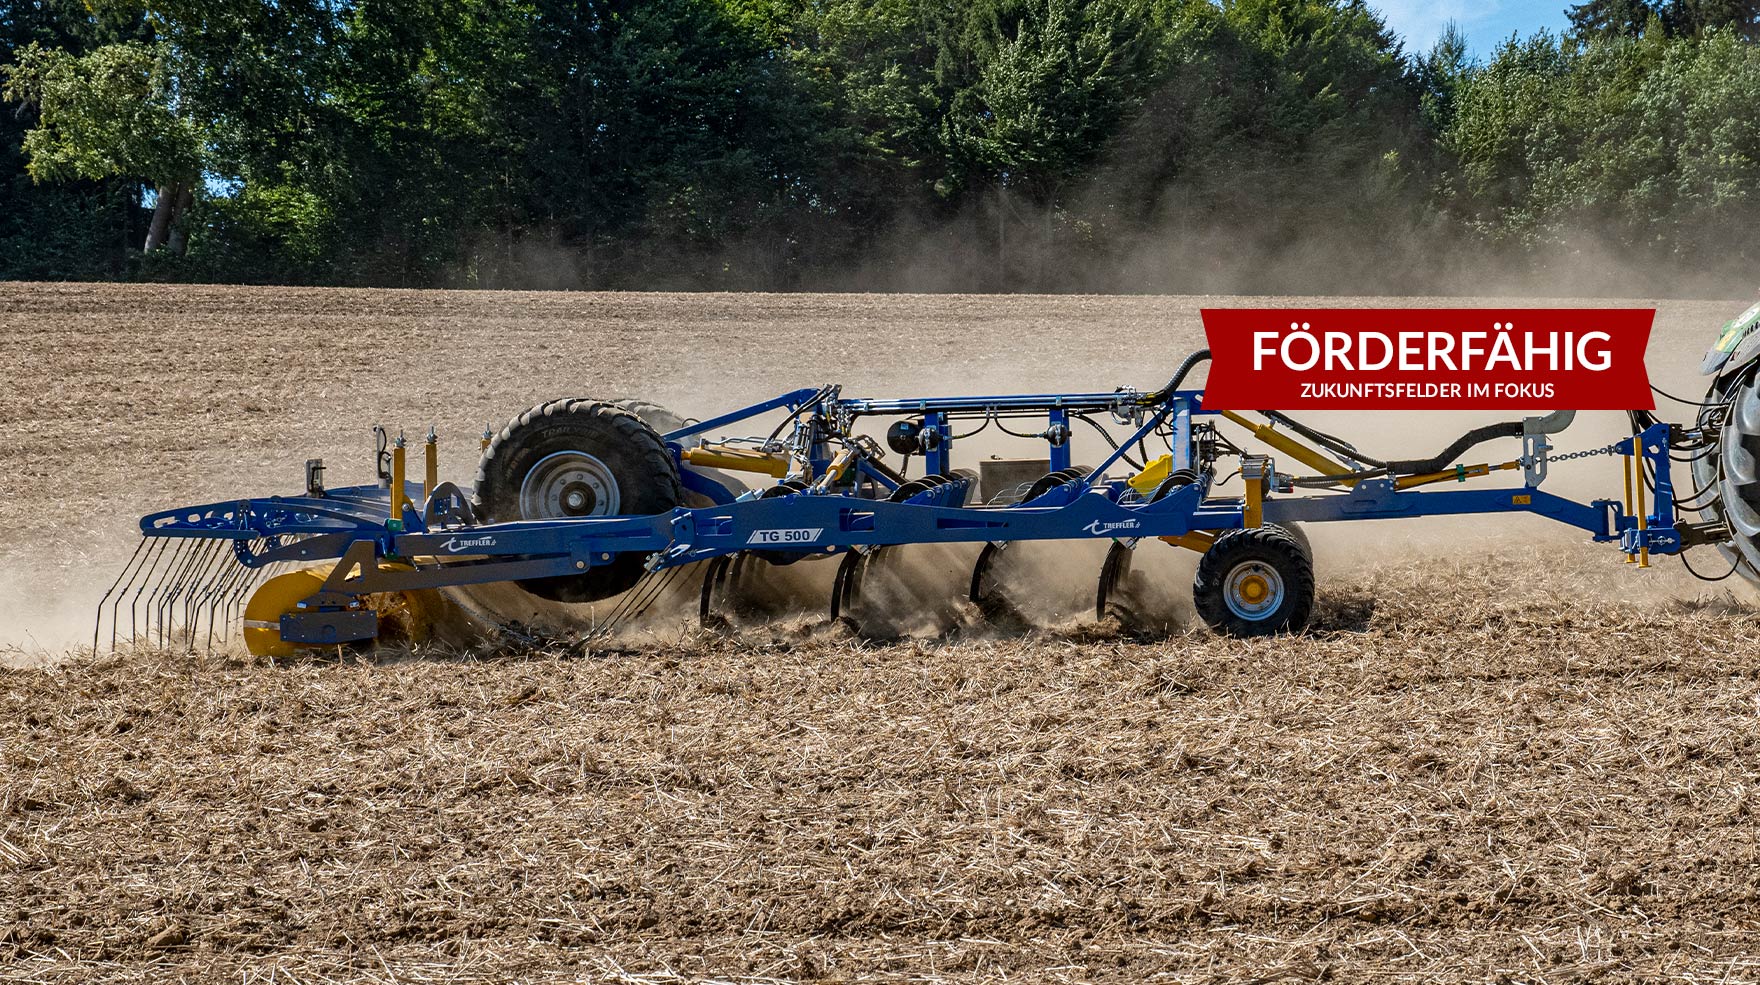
(1428, 358)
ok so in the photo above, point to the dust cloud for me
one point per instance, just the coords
(194, 430)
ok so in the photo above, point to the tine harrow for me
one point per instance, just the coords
(175, 593)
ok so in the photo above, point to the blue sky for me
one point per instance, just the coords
(1487, 22)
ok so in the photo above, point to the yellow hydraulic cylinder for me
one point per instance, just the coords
(737, 459)
(397, 474)
(834, 472)
(431, 475)
(1630, 558)
(1459, 473)
(1291, 447)
(1643, 521)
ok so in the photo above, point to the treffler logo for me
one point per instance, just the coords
(458, 544)
(1099, 529)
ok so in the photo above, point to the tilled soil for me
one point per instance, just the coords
(1494, 758)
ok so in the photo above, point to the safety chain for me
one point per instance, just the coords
(1612, 449)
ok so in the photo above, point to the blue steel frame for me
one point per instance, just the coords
(351, 524)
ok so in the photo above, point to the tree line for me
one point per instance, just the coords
(1252, 145)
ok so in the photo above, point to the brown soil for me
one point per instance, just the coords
(1495, 758)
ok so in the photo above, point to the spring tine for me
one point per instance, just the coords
(142, 580)
(708, 615)
(217, 597)
(843, 586)
(223, 567)
(611, 621)
(98, 623)
(640, 598)
(204, 572)
(200, 589)
(235, 600)
(148, 548)
(167, 599)
(130, 591)
(222, 617)
(210, 603)
(737, 574)
(169, 564)
(180, 561)
(180, 601)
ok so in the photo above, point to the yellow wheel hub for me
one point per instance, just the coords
(1254, 589)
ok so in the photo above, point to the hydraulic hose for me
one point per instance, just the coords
(1324, 440)
(1179, 376)
(1451, 454)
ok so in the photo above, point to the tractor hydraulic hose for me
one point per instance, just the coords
(1324, 440)
(1179, 376)
(1452, 454)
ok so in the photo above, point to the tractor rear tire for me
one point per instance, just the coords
(578, 458)
(1255, 582)
(1736, 469)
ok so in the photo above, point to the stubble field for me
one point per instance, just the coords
(1499, 754)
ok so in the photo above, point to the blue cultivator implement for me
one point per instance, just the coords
(580, 501)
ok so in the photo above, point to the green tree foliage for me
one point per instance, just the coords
(1043, 144)
(77, 229)
(104, 114)
(1641, 143)
(1690, 18)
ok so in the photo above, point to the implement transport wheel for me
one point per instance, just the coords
(1255, 582)
(1300, 536)
(578, 458)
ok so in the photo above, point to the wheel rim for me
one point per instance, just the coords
(1253, 590)
(568, 483)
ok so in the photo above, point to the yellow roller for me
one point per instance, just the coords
(404, 617)
(273, 599)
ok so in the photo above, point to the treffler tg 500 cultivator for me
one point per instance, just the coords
(579, 501)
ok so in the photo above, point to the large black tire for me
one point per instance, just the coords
(661, 418)
(664, 420)
(636, 470)
(1300, 536)
(1736, 469)
(1268, 557)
